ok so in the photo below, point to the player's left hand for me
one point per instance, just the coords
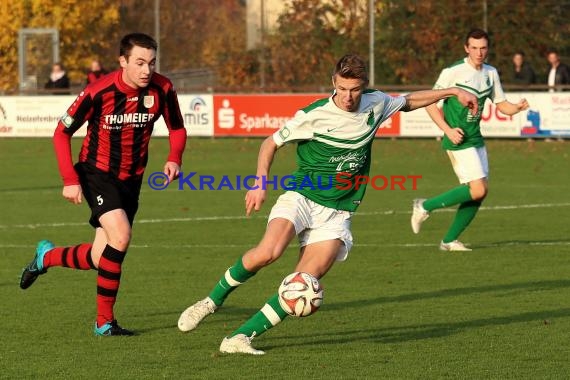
(172, 170)
(468, 100)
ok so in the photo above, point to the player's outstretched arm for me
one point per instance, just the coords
(254, 198)
(419, 99)
(509, 108)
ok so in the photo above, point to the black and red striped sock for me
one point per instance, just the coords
(76, 257)
(108, 281)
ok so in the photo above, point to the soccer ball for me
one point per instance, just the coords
(300, 294)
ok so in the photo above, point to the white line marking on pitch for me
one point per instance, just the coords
(238, 217)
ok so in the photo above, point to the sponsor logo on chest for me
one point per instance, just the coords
(128, 120)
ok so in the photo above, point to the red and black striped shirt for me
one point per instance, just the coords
(120, 123)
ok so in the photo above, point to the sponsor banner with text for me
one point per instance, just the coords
(198, 114)
(32, 116)
(262, 114)
(37, 116)
(257, 115)
(417, 123)
(548, 115)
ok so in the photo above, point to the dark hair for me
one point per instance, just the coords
(551, 51)
(477, 34)
(136, 39)
(519, 52)
(351, 66)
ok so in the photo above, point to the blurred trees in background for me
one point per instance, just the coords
(413, 40)
(86, 29)
(197, 34)
(417, 39)
(310, 37)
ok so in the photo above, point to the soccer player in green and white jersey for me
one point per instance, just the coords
(463, 140)
(334, 135)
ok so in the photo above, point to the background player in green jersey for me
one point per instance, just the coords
(462, 138)
(334, 135)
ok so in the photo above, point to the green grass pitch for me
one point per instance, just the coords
(396, 309)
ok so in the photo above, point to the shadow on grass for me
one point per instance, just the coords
(235, 315)
(510, 243)
(436, 330)
(230, 315)
(522, 287)
(423, 331)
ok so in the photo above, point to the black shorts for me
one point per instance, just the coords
(105, 192)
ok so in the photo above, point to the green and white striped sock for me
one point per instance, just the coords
(232, 278)
(268, 317)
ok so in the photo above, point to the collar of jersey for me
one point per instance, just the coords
(122, 86)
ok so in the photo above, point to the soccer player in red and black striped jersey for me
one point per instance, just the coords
(120, 109)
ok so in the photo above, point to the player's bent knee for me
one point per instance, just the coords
(120, 241)
(119, 245)
(479, 194)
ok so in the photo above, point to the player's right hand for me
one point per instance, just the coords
(73, 193)
(254, 199)
(468, 100)
(455, 135)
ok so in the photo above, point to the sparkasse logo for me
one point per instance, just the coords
(226, 115)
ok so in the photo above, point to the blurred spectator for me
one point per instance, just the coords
(58, 79)
(96, 71)
(559, 73)
(523, 74)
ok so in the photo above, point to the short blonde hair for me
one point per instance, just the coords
(351, 66)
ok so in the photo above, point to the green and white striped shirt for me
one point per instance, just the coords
(483, 83)
(332, 141)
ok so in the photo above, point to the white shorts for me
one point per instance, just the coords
(314, 222)
(469, 164)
